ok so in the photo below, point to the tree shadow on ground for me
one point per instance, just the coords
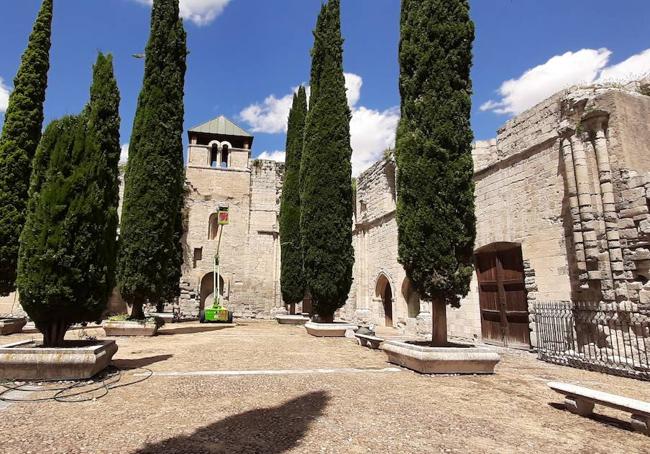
(266, 430)
(603, 419)
(139, 362)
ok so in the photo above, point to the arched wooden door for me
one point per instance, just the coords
(503, 300)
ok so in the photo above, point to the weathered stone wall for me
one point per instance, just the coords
(249, 253)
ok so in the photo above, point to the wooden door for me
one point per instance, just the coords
(504, 305)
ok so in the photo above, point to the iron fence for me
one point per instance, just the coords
(606, 337)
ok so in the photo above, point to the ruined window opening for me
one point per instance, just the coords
(225, 152)
(198, 255)
(214, 156)
(213, 227)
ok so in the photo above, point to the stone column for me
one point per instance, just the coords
(574, 206)
(587, 216)
(610, 216)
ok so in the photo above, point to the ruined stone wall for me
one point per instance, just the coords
(249, 253)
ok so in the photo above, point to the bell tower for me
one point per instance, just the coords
(219, 144)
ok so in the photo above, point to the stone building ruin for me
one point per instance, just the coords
(562, 210)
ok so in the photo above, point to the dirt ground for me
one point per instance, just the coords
(264, 388)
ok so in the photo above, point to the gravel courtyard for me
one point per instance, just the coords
(264, 388)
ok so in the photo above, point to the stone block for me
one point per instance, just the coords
(442, 360)
(12, 325)
(80, 360)
(339, 329)
(130, 328)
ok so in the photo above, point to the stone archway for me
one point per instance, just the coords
(207, 290)
(384, 292)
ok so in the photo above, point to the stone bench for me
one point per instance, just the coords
(372, 342)
(581, 401)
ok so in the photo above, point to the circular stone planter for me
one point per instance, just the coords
(330, 329)
(120, 328)
(11, 325)
(442, 360)
(291, 319)
(27, 360)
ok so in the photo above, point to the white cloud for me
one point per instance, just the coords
(562, 71)
(353, 84)
(635, 67)
(372, 131)
(273, 156)
(269, 117)
(201, 12)
(539, 83)
(124, 156)
(4, 96)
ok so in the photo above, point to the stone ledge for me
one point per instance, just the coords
(129, 328)
(442, 360)
(291, 319)
(336, 329)
(12, 325)
(372, 342)
(82, 360)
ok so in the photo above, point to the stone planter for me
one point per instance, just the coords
(442, 360)
(115, 328)
(167, 317)
(330, 329)
(27, 360)
(12, 325)
(371, 342)
(291, 319)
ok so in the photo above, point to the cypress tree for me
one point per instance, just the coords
(292, 279)
(435, 209)
(326, 173)
(67, 253)
(150, 252)
(20, 136)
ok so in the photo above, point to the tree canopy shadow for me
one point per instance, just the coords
(136, 363)
(266, 430)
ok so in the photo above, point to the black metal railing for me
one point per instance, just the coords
(607, 337)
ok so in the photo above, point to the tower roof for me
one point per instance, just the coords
(221, 126)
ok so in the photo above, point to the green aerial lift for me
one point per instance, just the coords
(217, 313)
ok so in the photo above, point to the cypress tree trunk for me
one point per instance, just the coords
(20, 136)
(435, 208)
(150, 252)
(292, 278)
(65, 272)
(326, 173)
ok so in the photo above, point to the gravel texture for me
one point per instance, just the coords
(341, 412)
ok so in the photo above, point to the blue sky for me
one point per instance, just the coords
(248, 55)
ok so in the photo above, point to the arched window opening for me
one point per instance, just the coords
(213, 228)
(384, 292)
(225, 152)
(412, 298)
(214, 156)
(207, 290)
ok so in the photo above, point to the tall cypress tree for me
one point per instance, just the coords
(326, 173)
(67, 252)
(292, 278)
(20, 136)
(435, 209)
(150, 254)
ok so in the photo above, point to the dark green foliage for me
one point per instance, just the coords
(67, 253)
(150, 255)
(20, 136)
(435, 209)
(292, 278)
(326, 173)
